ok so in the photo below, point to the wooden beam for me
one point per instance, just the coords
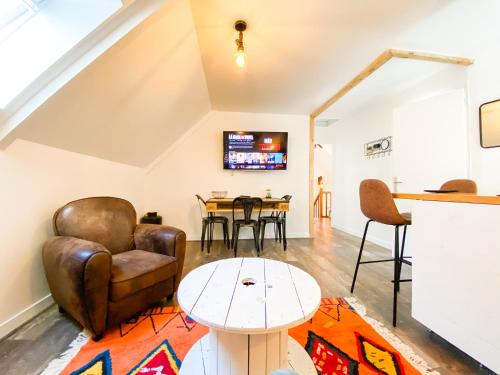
(311, 176)
(432, 57)
(383, 58)
(366, 72)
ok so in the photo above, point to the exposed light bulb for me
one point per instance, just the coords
(241, 58)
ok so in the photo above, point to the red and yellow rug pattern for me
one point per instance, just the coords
(338, 339)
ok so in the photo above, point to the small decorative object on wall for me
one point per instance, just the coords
(380, 147)
(489, 124)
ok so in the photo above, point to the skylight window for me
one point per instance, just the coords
(36, 34)
(13, 13)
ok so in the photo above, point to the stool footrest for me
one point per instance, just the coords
(377, 261)
(402, 280)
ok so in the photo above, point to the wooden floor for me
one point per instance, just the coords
(330, 257)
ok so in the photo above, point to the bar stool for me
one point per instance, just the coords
(378, 205)
(209, 220)
(248, 204)
(278, 218)
(462, 186)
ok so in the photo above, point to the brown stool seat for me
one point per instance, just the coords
(461, 186)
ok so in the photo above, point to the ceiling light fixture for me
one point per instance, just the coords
(240, 55)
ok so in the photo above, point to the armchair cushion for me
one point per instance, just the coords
(135, 270)
(164, 240)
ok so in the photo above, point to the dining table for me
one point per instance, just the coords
(221, 205)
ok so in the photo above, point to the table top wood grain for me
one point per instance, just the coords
(230, 200)
(225, 205)
(283, 296)
(450, 197)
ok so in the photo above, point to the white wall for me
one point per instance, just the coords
(371, 122)
(194, 165)
(484, 86)
(430, 142)
(35, 181)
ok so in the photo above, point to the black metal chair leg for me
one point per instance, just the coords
(262, 234)
(226, 230)
(284, 235)
(203, 232)
(209, 237)
(279, 231)
(396, 276)
(233, 234)
(236, 240)
(400, 266)
(359, 255)
(275, 233)
(255, 229)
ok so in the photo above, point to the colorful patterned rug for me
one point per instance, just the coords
(340, 339)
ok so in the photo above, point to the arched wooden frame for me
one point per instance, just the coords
(376, 64)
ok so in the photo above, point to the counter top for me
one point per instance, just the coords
(450, 197)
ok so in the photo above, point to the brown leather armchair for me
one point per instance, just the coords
(103, 268)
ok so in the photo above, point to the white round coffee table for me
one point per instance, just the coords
(248, 304)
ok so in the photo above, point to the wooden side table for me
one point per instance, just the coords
(248, 304)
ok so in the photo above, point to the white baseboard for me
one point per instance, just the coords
(357, 233)
(248, 236)
(25, 315)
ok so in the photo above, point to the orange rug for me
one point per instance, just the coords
(339, 339)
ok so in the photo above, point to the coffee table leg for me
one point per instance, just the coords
(247, 354)
(204, 357)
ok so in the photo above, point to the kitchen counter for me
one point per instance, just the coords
(456, 270)
(450, 197)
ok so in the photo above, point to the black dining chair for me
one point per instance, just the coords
(278, 219)
(208, 220)
(248, 204)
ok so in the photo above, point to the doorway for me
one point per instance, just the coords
(323, 177)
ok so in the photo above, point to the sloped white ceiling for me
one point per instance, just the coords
(135, 100)
(299, 52)
(145, 92)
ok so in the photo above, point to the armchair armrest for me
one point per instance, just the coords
(78, 273)
(164, 240)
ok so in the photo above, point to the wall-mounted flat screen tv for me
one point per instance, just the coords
(255, 150)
